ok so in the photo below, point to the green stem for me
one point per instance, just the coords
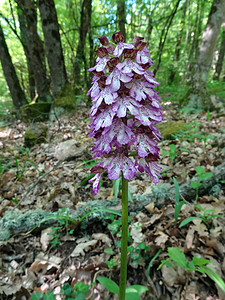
(123, 267)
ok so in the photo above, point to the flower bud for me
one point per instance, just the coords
(102, 52)
(118, 37)
(130, 53)
(112, 63)
(103, 40)
(140, 45)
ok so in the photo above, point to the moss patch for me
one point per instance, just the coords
(169, 129)
(36, 112)
(35, 134)
(66, 98)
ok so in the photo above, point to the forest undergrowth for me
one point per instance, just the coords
(173, 243)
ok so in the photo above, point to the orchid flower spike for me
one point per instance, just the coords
(124, 112)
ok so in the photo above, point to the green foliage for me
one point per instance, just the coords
(205, 215)
(178, 203)
(20, 164)
(177, 258)
(201, 176)
(67, 291)
(133, 292)
(172, 152)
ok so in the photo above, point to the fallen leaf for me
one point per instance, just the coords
(79, 250)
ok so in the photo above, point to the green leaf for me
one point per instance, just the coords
(80, 297)
(109, 284)
(67, 289)
(83, 182)
(172, 147)
(188, 220)
(81, 287)
(33, 165)
(151, 262)
(140, 289)
(109, 251)
(49, 296)
(177, 191)
(213, 275)
(200, 261)
(37, 296)
(141, 245)
(199, 170)
(205, 175)
(178, 257)
(132, 295)
(116, 188)
(195, 184)
(130, 197)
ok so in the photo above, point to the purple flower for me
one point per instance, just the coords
(140, 89)
(103, 119)
(120, 47)
(105, 94)
(121, 163)
(124, 112)
(128, 66)
(123, 104)
(149, 167)
(119, 131)
(115, 77)
(144, 145)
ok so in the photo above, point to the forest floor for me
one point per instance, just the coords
(46, 258)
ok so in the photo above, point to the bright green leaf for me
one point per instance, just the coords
(37, 296)
(188, 220)
(195, 184)
(49, 296)
(109, 284)
(132, 295)
(200, 261)
(178, 257)
(140, 289)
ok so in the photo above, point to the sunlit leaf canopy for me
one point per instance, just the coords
(144, 18)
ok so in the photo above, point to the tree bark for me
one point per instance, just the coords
(53, 45)
(17, 94)
(219, 64)
(164, 36)
(178, 45)
(24, 39)
(36, 50)
(197, 95)
(85, 24)
(121, 16)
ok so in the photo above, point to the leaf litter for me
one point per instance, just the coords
(30, 263)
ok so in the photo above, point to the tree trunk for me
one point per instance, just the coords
(178, 45)
(197, 95)
(36, 50)
(121, 16)
(85, 23)
(219, 63)
(164, 36)
(24, 38)
(53, 45)
(16, 92)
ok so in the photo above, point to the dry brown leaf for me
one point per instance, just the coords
(79, 250)
(102, 237)
(189, 238)
(200, 228)
(46, 238)
(161, 239)
(136, 233)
